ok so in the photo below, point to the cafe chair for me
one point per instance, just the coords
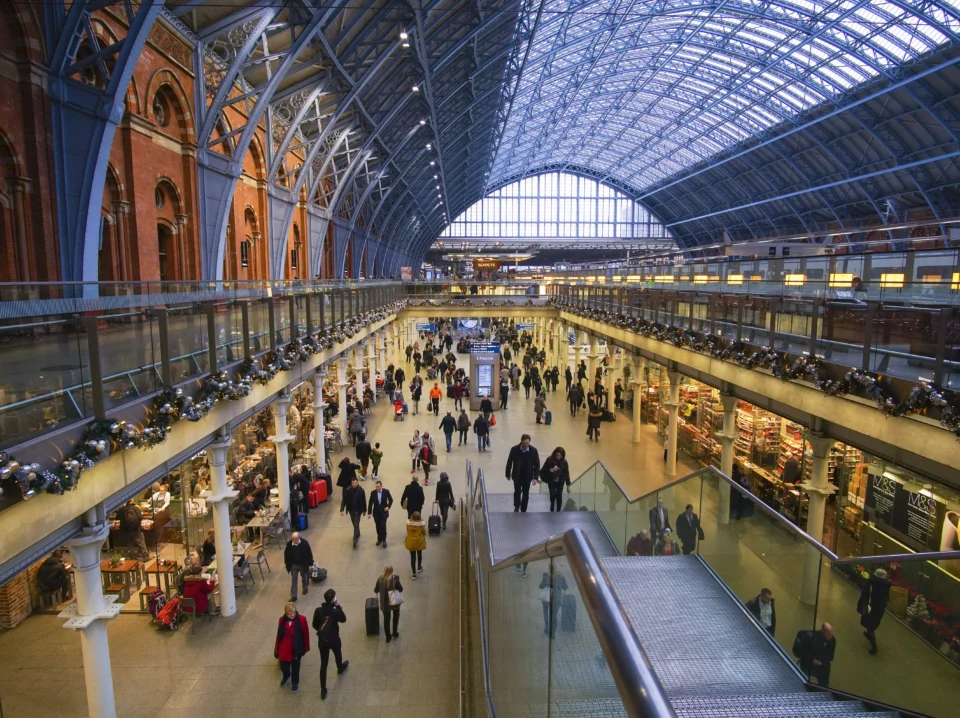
(273, 533)
(52, 599)
(242, 572)
(261, 561)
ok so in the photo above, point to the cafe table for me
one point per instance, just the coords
(262, 521)
(168, 570)
(127, 572)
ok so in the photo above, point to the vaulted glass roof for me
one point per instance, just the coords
(637, 91)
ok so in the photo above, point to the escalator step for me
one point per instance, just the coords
(788, 705)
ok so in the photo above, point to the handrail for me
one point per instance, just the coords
(460, 572)
(637, 683)
(482, 483)
(783, 520)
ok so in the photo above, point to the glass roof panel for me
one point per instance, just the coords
(646, 89)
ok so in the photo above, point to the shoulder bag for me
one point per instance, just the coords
(394, 597)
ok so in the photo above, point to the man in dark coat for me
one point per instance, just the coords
(326, 622)
(764, 608)
(412, 498)
(380, 502)
(819, 654)
(659, 520)
(688, 529)
(363, 456)
(872, 604)
(298, 558)
(486, 407)
(482, 429)
(523, 467)
(354, 502)
(448, 425)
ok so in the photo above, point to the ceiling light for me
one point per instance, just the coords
(403, 35)
(438, 186)
(436, 177)
(406, 44)
(432, 163)
(423, 122)
(429, 146)
(415, 88)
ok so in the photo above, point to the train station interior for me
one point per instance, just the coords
(493, 359)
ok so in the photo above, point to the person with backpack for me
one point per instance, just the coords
(326, 622)
(291, 645)
(444, 497)
(376, 456)
(412, 498)
(387, 587)
(130, 518)
(816, 650)
(463, 426)
(416, 542)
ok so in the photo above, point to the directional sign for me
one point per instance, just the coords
(528, 327)
(426, 327)
(484, 347)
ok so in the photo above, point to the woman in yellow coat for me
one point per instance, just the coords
(416, 542)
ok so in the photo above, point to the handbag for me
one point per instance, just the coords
(433, 458)
(394, 597)
(544, 595)
(493, 420)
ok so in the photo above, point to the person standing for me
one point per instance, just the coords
(412, 498)
(515, 377)
(523, 467)
(415, 444)
(409, 353)
(764, 608)
(872, 605)
(326, 622)
(376, 456)
(444, 497)
(568, 378)
(688, 529)
(364, 450)
(659, 519)
(555, 473)
(298, 558)
(818, 655)
(291, 644)
(463, 426)
(504, 394)
(387, 583)
(594, 417)
(130, 523)
(435, 396)
(416, 391)
(416, 542)
(482, 429)
(551, 598)
(618, 395)
(666, 546)
(448, 425)
(540, 406)
(458, 395)
(354, 502)
(381, 500)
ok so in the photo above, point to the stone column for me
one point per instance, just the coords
(181, 220)
(727, 435)
(636, 382)
(342, 386)
(318, 407)
(673, 407)
(19, 187)
(281, 440)
(120, 210)
(592, 362)
(372, 363)
(358, 365)
(220, 497)
(89, 616)
(818, 490)
(577, 353)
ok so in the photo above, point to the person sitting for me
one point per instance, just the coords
(208, 550)
(52, 576)
(248, 508)
(196, 587)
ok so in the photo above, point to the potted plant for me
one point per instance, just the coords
(115, 560)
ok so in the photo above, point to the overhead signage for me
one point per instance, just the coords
(486, 264)
(915, 517)
(484, 347)
(426, 327)
(525, 326)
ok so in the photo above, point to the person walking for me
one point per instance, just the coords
(363, 450)
(482, 429)
(618, 395)
(486, 407)
(348, 473)
(551, 598)
(527, 383)
(435, 396)
(872, 605)
(817, 653)
(555, 472)
(515, 377)
(291, 645)
(297, 558)
(415, 444)
(463, 426)
(416, 391)
(764, 608)
(575, 397)
(428, 458)
(376, 456)
(523, 467)
(409, 352)
(659, 519)
(504, 394)
(357, 426)
(540, 406)
(416, 542)
(354, 502)
(594, 417)
(381, 500)
(458, 395)
(326, 622)
(387, 587)
(568, 378)
(448, 425)
(444, 497)
(412, 498)
(688, 529)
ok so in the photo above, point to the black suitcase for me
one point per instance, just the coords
(568, 613)
(608, 416)
(323, 476)
(433, 523)
(371, 613)
(449, 391)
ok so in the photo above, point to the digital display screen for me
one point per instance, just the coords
(484, 379)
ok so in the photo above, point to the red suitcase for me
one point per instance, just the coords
(321, 491)
(312, 498)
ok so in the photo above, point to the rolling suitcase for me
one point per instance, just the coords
(449, 391)
(406, 409)
(548, 417)
(312, 499)
(302, 523)
(371, 613)
(433, 523)
(568, 613)
(322, 493)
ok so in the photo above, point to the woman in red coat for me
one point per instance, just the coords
(195, 587)
(293, 641)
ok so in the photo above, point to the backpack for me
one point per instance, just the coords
(802, 644)
(130, 519)
(327, 631)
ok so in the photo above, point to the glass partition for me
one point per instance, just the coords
(188, 343)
